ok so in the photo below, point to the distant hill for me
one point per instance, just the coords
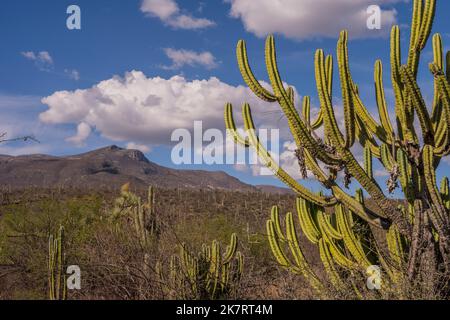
(111, 167)
(274, 189)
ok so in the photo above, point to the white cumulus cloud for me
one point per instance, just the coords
(146, 110)
(169, 12)
(191, 58)
(83, 132)
(303, 19)
(137, 146)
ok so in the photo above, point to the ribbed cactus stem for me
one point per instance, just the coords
(210, 274)
(56, 263)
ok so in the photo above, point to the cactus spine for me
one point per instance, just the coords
(210, 274)
(56, 262)
(344, 239)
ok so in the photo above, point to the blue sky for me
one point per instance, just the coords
(192, 41)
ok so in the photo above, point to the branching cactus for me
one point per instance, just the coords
(211, 274)
(341, 225)
(143, 214)
(56, 262)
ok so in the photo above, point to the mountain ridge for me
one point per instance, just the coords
(112, 166)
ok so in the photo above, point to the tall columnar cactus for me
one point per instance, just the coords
(418, 228)
(211, 274)
(56, 262)
(143, 214)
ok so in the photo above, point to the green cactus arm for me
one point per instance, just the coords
(300, 132)
(240, 265)
(396, 63)
(225, 276)
(60, 262)
(272, 70)
(231, 126)
(298, 255)
(445, 193)
(366, 118)
(366, 138)
(51, 268)
(326, 227)
(430, 181)
(231, 249)
(339, 256)
(447, 65)
(364, 213)
(443, 88)
(404, 132)
(329, 76)
(418, 103)
(395, 246)
(265, 156)
(55, 266)
(312, 165)
(291, 95)
(306, 110)
(359, 195)
(368, 162)
(386, 157)
(438, 60)
(414, 53)
(336, 252)
(381, 99)
(329, 266)
(184, 256)
(275, 217)
(319, 120)
(331, 126)
(248, 76)
(427, 23)
(442, 138)
(214, 269)
(405, 175)
(350, 240)
(329, 73)
(278, 253)
(346, 88)
(305, 214)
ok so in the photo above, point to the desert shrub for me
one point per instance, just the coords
(113, 260)
(24, 233)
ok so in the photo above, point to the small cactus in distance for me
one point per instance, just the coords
(210, 274)
(57, 288)
(143, 214)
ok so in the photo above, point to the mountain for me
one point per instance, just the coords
(274, 189)
(110, 167)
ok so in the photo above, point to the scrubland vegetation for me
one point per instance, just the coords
(110, 253)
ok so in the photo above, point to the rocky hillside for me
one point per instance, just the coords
(110, 167)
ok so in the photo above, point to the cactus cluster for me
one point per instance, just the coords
(143, 214)
(418, 228)
(210, 274)
(347, 248)
(57, 289)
